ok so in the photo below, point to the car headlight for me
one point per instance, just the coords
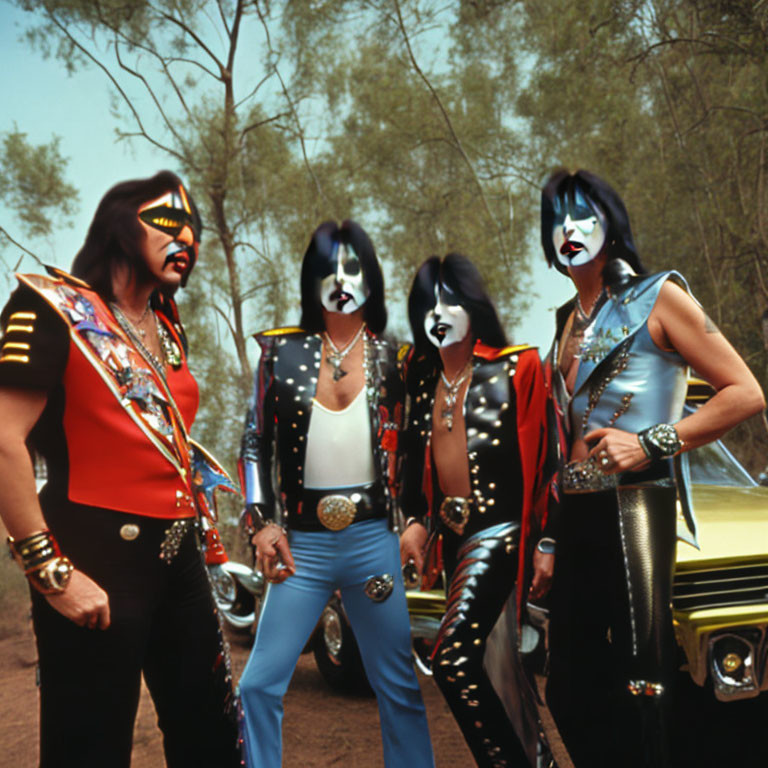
(732, 663)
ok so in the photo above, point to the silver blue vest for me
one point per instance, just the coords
(624, 379)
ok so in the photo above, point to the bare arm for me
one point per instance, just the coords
(19, 411)
(678, 323)
(83, 601)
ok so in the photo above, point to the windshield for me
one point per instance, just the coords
(714, 464)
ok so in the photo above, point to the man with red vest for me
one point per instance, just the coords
(94, 379)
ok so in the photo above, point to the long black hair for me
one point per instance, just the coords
(116, 233)
(459, 274)
(618, 237)
(318, 263)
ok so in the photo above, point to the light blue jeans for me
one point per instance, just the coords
(326, 561)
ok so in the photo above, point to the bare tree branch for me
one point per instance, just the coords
(142, 130)
(168, 124)
(452, 131)
(4, 232)
(187, 30)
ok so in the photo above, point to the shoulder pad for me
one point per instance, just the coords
(60, 274)
(279, 331)
(494, 353)
(514, 349)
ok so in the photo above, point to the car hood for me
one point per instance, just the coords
(733, 527)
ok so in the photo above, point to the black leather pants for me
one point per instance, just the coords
(482, 579)
(611, 641)
(163, 626)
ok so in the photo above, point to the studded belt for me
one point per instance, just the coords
(587, 477)
(336, 508)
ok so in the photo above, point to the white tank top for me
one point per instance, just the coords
(339, 451)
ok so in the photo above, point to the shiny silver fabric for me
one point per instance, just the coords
(624, 379)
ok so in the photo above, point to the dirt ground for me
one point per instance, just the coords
(321, 728)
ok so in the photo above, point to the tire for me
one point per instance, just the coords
(336, 652)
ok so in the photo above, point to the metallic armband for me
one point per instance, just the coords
(660, 441)
(546, 546)
(41, 560)
(254, 493)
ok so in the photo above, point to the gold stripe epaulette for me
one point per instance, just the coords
(280, 331)
(514, 349)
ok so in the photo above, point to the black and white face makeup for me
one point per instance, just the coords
(345, 289)
(579, 230)
(447, 322)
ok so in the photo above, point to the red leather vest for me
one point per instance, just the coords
(126, 428)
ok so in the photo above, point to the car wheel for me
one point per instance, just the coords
(336, 652)
(237, 606)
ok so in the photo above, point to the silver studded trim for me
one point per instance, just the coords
(171, 544)
(583, 476)
(614, 367)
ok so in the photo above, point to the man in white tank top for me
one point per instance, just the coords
(318, 467)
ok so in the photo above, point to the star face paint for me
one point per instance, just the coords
(447, 322)
(345, 289)
(579, 230)
(170, 231)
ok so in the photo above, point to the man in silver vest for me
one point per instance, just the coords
(618, 370)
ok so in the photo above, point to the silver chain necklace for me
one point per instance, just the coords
(141, 332)
(133, 334)
(451, 394)
(334, 355)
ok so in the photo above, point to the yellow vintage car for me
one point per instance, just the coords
(720, 595)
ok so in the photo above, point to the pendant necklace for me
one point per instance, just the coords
(334, 355)
(451, 394)
(581, 321)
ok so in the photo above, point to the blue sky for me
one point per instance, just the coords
(42, 100)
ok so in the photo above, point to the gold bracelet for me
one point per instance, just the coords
(40, 558)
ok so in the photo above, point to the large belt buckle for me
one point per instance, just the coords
(454, 512)
(336, 512)
(585, 476)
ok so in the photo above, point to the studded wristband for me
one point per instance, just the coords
(39, 556)
(660, 441)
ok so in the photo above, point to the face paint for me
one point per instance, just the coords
(170, 231)
(579, 229)
(346, 289)
(447, 322)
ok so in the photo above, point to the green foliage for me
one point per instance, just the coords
(32, 183)
(434, 125)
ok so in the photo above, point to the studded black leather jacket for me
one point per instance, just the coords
(274, 441)
(506, 426)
